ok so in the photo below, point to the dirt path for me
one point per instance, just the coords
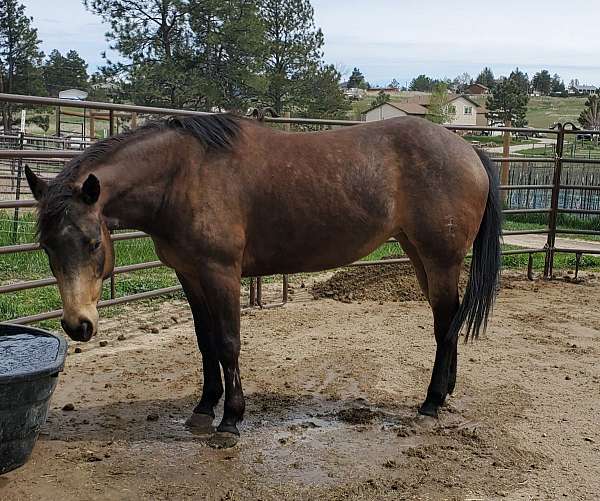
(538, 242)
(521, 147)
(332, 390)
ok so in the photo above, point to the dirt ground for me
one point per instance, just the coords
(332, 391)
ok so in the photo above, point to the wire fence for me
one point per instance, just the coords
(550, 185)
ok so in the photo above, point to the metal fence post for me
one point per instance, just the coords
(252, 292)
(111, 122)
(15, 229)
(505, 169)
(259, 301)
(57, 121)
(111, 129)
(553, 215)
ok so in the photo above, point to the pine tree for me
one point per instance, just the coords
(152, 35)
(558, 86)
(64, 72)
(320, 95)
(521, 79)
(382, 98)
(183, 53)
(507, 103)
(293, 49)
(542, 82)
(20, 56)
(357, 80)
(486, 77)
(422, 83)
(590, 116)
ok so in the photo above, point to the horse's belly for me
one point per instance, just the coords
(311, 253)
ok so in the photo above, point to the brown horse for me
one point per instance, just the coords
(225, 197)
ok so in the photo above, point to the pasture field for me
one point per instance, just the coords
(542, 112)
(332, 391)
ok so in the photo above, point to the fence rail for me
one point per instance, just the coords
(531, 185)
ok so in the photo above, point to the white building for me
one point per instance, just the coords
(583, 89)
(393, 110)
(464, 111)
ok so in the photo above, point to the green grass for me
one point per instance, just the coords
(542, 112)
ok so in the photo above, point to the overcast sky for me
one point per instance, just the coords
(402, 38)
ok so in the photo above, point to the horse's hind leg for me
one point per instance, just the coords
(444, 301)
(415, 259)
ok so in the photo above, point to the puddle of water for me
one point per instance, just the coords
(322, 440)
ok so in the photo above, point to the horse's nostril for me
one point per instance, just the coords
(87, 329)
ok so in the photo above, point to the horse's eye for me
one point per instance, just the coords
(94, 246)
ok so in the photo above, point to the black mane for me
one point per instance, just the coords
(216, 132)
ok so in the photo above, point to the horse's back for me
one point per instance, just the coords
(323, 199)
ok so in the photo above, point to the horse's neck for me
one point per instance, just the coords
(132, 192)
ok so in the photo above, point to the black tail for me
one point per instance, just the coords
(480, 293)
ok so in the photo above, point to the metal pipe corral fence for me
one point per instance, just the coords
(21, 148)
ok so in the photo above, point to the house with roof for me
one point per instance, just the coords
(464, 110)
(393, 110)
(477, 89)
(583, 89)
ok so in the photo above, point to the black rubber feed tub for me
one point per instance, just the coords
(30, 360)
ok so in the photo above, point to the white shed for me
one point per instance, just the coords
(393, 110)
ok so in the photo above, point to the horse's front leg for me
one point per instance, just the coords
(221, 288)
(212, 389)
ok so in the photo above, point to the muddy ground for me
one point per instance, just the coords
(332, 392)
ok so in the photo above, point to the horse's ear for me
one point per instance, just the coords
(37, 185)
(90, 190)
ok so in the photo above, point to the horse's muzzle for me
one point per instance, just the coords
(83, 332)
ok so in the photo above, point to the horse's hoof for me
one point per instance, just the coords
(425, 421)
(223, 440)
(430, 409)
(200, 424)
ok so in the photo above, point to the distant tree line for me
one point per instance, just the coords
(541, 82)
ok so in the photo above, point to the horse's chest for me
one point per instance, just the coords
(168, 255)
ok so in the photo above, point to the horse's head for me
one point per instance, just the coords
(76, 239)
